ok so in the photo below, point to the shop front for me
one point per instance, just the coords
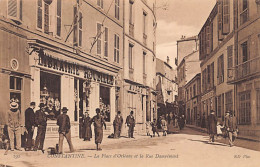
(60, 81)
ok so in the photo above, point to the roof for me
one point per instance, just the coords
(188, 39)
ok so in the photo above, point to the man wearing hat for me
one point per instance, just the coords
(63, 121)
(117, 125)
(212, 126)
(98, 121)
(14, 125)
(231, 127)
(87, 132)
(29, 125)
(130, 121)
(41, 123)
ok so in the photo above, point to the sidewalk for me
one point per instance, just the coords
(204, 130)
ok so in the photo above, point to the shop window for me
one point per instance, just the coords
(104, 103)
(50, 93)
(245, 107)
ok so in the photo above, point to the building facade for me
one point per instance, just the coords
(244, 72)
(216, 49)
(65, 58)
(193, 100)
(166, 87)
(139, 61)
(188, 66)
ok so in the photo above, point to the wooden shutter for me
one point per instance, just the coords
(58, 32)
(12, 8)
(220, 20)
(46, 18)
(235, 14)
(99, 38)
(80, 29)
(211, 37)
(117, 53)
(106, 42)
(226, 17)
(39, 14)
(75, 29)
(207, 40)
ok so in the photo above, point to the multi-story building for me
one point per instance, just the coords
(216, 48)
(193, 100)
(188, 66)
(244, 71)
(139, 61)
(64, 54)
(166, 87)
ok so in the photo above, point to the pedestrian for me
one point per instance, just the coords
(98, 121)
(130, 121)
(203, 121)
(155, 127)
(212, 126)
(29, 125)
(164, 126)
(87, 132)
(14, 125)
(117, 125)
(219, 129)
(148, 128)
(231, 127)
(170, 122)
(63, 121)
(181, 122)
(198, 119)
(41, 124)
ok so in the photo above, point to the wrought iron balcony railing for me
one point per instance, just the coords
(244, 70)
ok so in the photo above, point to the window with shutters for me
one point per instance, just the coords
(130, 56)
(116, 48)
(220, 69)
(144, 59)
(229, 101)
(226, 16)
(58, 16)
(220, 20)
(117, 8)
(43, 16)
(99, 35)
(244, 107)
(106, 42)
(15, 10)
(243, 11)
(100, 3)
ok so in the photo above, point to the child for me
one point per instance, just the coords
(4, 139)
(154, 128)
(219, 129)
(147, 125)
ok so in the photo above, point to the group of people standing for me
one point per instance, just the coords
(228, 129)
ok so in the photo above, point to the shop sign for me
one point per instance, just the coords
(98, 76)
(136, 89)
(58, 64)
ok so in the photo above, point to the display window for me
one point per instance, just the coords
(104, 103)
(50, 94)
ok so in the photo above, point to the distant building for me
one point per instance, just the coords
(188, 65)
(193, 100)
(166, 87)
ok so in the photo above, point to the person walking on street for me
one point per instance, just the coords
(164, 126)
(231, 127)
(117, 125)
(29, 125)
(41, 124)
(130, 122)
(98, 121)
(181, 122)
(154, 127)
(212, 126)
(87, 132)
(14, 125)
(63, 121)
(203, 121)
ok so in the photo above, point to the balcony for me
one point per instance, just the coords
(144, 39)
(131, 29)
(244, 71)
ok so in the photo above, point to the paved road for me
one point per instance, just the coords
(188, 148)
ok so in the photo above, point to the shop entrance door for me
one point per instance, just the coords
(81, 103)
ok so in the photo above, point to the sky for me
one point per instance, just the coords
(181, 17)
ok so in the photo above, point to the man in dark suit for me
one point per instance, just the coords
(212, 126)
(41, 123)
(63, 121)
(231, 126)
(130, 121)
(117, 125)
(29, 125)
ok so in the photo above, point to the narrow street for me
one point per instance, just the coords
(188, 147)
